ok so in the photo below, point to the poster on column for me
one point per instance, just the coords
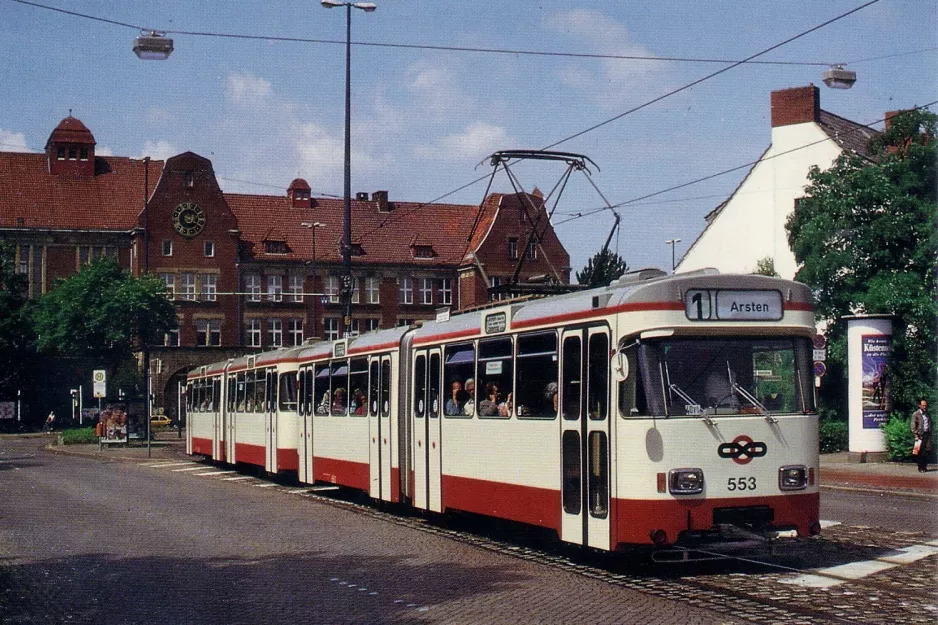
(877, 403)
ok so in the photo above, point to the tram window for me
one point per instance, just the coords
(632, 400)
(358, 382)
(272, 385)
(571, 472)
(322, 390)
(536, 388)
(260, 391)
(598, 475)
(301, 392)
(339, 388)
(597, 398)
(232, 393)
(310, 400)
(288, 387)
(459, 366)
(216, 391)
(373, 386)
(385, 387)
(242, 391)
(189, 394)
(572, 369)
(420, 385)
(495, 379)
(433, 390)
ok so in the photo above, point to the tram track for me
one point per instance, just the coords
(744, 589)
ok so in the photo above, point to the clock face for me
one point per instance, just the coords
(188, 219)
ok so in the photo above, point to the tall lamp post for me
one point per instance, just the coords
(347, 239)
(312, 225)
(672, 243)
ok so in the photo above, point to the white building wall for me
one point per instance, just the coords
(752, 224)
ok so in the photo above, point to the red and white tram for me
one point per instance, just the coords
(658, 409)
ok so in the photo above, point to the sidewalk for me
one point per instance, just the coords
(837, 473)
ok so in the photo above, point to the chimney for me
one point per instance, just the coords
(381, 199)
(796, 106)
(361, 196)
(889, 118)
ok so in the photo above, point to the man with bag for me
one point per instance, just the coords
(921, 429)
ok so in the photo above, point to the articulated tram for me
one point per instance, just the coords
(654, 411)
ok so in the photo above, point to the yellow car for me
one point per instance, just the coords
(160, 421)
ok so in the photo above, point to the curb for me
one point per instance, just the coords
(881, 491)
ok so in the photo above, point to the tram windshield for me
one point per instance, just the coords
(714, 377)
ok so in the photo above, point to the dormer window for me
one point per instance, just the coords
(61, 154)
(423, 251)
(84, 154)
(72, 154)
(275, 247)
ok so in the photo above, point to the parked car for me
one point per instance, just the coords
(160, 421)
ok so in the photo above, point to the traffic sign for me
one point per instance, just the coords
(820, 341)
(99, 377)
(819, 368)
(820, 354)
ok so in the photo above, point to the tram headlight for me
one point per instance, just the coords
(685, 481)
(793, 477)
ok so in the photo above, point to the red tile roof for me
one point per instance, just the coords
(111, 200)
(71, 130)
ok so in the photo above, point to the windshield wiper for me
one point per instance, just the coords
(691, 407)
(742, 392)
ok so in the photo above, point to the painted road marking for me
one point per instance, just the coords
(215, 473)
(240, 477)
(188, 469)
(834, 575)
(166, 465)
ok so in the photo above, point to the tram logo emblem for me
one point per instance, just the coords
(742, 450)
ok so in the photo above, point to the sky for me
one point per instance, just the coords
(266, 111)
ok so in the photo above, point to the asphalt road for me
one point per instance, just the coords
(893, 512)
(90, 541)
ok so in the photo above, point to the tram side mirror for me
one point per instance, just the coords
(620, 367)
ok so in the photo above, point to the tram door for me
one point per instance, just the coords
(426, 410)
(270, 416)
(306, 407)
(379, 428)
(584, 444)
(228, 417)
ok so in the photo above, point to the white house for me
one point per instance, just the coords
(750, 225)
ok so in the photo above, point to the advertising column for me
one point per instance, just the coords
(869, 345)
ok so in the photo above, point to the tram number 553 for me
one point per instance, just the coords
(741, 483)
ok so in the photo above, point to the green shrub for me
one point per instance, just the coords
(79, 436)
(833, 436)
(899, 439)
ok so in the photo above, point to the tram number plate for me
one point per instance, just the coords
(732, 305)
(741, 483)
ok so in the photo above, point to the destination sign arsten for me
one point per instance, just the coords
(731, 305)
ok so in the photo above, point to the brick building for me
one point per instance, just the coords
(259, 271)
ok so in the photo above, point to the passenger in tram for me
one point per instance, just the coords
(469, 408)
(323, 407)
(339, 402)
(457, 399)
(507, 407)
(552, 397)
(358, 402)
(488, 407)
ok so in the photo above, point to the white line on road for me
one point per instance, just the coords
(188, 469)
(166, 465)
(240, 477)
(265, 485)
(215, 473)
(834, 575)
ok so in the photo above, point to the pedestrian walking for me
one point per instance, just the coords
(921, 429)
(50, 421)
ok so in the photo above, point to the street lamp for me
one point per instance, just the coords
(672, 243)
(839, 78)
(347, 239)
(153, 46)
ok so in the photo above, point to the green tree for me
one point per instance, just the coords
(103, 312)
(866, 235)
(602, 269)
(766, 267)
(17, 348)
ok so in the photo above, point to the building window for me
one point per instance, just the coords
(171, 338)
(372, 290)
(295, 331)
(275, 288)
(209, 248)
(296, 287)
(370, 324)
(406, 289)
(426, 291)
(332, 289)
(188, 179)
(187, 286)
(209, 287)
(496, 282)
(169, 281)
(330, 328)
(252, 332)
(72, 154)
(167, 247)
(356, 293)
(83, 154)
(405, 323)
(446, 291)
(531, 251)
(61, 154)
(89, 254)
(423, 251)
(275, 247)
(208, 332)
(252, 286)
(275, 332)
(513, 248)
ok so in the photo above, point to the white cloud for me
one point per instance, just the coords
(12, 141)
(619, 79)
(478, 140)
(159, 150)
(103, 150)
(246, 88)
(437, 88)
